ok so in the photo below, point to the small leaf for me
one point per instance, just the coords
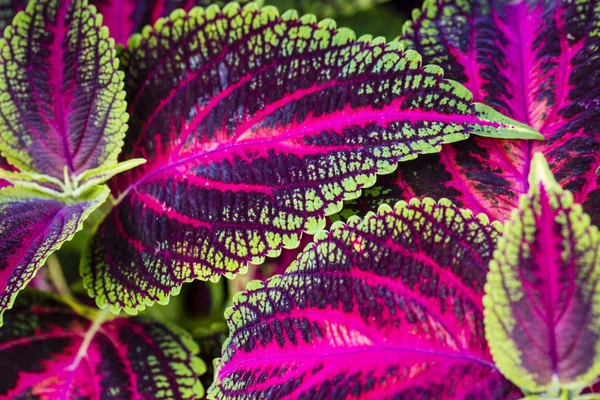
(32, 226)
(62, 100)
(388, 307)
(255, 126)
(542, 308)
(51, 353)
(535, 61)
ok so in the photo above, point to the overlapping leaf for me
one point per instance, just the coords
(48, 352)
(255, 126)
(61, 103)
(536, 61)
(388, 307)
(33, 226)
(126, 17)
(542, 304)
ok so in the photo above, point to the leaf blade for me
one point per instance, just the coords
(63, 101)
(541, 300)
(397, 296)
(33, 226)
(239, 166)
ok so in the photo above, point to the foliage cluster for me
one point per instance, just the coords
(413, 218)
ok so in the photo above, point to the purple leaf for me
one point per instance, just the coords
(387, 307)
(32, 227)
(63, 103)
(49, 352)
(536, 61)
(541, 305)
(255, 126)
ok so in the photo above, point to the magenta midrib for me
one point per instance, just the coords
(381, 117)
(254, 360)
(57, 79)
(548, 257)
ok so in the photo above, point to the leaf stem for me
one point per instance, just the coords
(100, 318)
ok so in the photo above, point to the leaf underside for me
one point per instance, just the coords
(544, 73)
(542, 304)
(32, 227)
(44, 356)
(388, 307)
(255, 126)
(62, 103)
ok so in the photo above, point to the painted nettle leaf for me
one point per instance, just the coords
(542, 307)
(48, 352)
(33, 226)
(62, 108)
(386, 307)
(255, 126)
(536, 61)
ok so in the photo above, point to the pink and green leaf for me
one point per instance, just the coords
(49, 352)
(62, 100)
(542, 308)
(544, 73)
(255, 126)
(34, 225)
(387, 307)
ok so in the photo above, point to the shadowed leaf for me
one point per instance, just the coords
(50, 353)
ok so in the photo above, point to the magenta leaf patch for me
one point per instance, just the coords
(63, 104)
(541, 304)
(544, 73)
(32, 227)
(387, 307)
(255, 126)
(50, 352)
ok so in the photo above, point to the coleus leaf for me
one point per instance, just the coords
(541, 305)
(33, 226)
(50, 352)
(62, 100)
(387, 307)
(255, 126)
(536, 61)
(126, 17)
